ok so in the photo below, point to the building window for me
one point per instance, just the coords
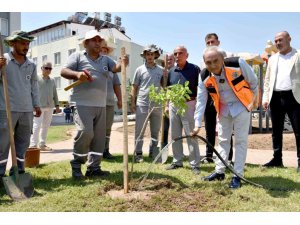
(57, 58)
(70, 51)
(4, 26)
(34, 60)
(44, 58)
(57, 82)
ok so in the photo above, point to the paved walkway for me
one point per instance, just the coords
(63, 150)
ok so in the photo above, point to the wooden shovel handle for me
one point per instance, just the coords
(76, 83)
(8, 110)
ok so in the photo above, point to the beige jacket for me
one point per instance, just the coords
(272, 73)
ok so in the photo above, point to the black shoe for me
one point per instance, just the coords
(138, 158)
(1, 181)
(235, 183)
(150, 155)
(196, 170)
(214, 176)
(11, 172)
(274, 163)
(107, 155)
(96, 173)
(206, 160)
(77, 174)
(173, 166)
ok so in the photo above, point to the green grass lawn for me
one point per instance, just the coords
(178, 190)
(59, 133)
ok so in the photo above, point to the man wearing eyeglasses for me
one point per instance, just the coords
(48, 99)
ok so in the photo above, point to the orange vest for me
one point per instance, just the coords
(237, 83)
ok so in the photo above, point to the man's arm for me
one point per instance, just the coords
(265, 98)
(134, 91)
(249, 75)
(118, 93)
(200, 105)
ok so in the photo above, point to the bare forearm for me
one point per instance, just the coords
(69, 74)
(118, 93)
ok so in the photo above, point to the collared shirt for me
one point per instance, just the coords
(22, 85)
(229, 103)
(190, 72)
(144, 77)
(113, 79)
(48, 93)
(283, 79)
(90, 93)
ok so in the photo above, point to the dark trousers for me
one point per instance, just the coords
(166, 130)
(283, 102)
(210, 119)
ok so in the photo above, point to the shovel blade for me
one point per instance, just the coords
(164, 155)
(20, 189)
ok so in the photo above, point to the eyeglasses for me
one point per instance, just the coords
(47, 68)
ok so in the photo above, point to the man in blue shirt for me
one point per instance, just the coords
(182, 72)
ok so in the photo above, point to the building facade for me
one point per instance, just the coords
(9, 21)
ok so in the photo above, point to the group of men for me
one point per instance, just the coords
(223, 92)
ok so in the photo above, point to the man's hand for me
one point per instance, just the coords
(119, 104)
(195, 131)
(84, 75)
(37, 112)
(125, 59)
(2, 62)
(265, 105)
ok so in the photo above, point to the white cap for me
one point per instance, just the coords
(91, 34)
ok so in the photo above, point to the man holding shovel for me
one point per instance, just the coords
(23, 96)
(90, 99)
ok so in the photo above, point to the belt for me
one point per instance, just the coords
(191, 99)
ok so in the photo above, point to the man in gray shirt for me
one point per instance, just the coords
(146, 75)
(23, 96)
(90, 99)
(48, 99)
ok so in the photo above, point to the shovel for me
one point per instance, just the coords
(18, 186)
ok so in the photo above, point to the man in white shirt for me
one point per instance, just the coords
(282, 94)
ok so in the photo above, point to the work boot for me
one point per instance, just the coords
(274, 163)
(77, 174)
(107, 155)
(90, 173)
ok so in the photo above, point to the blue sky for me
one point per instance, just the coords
(238, 32)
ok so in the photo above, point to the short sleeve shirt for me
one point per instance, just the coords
(144, 77)
(90, 93)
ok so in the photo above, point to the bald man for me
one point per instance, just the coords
(233, 91)
(282, 94)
